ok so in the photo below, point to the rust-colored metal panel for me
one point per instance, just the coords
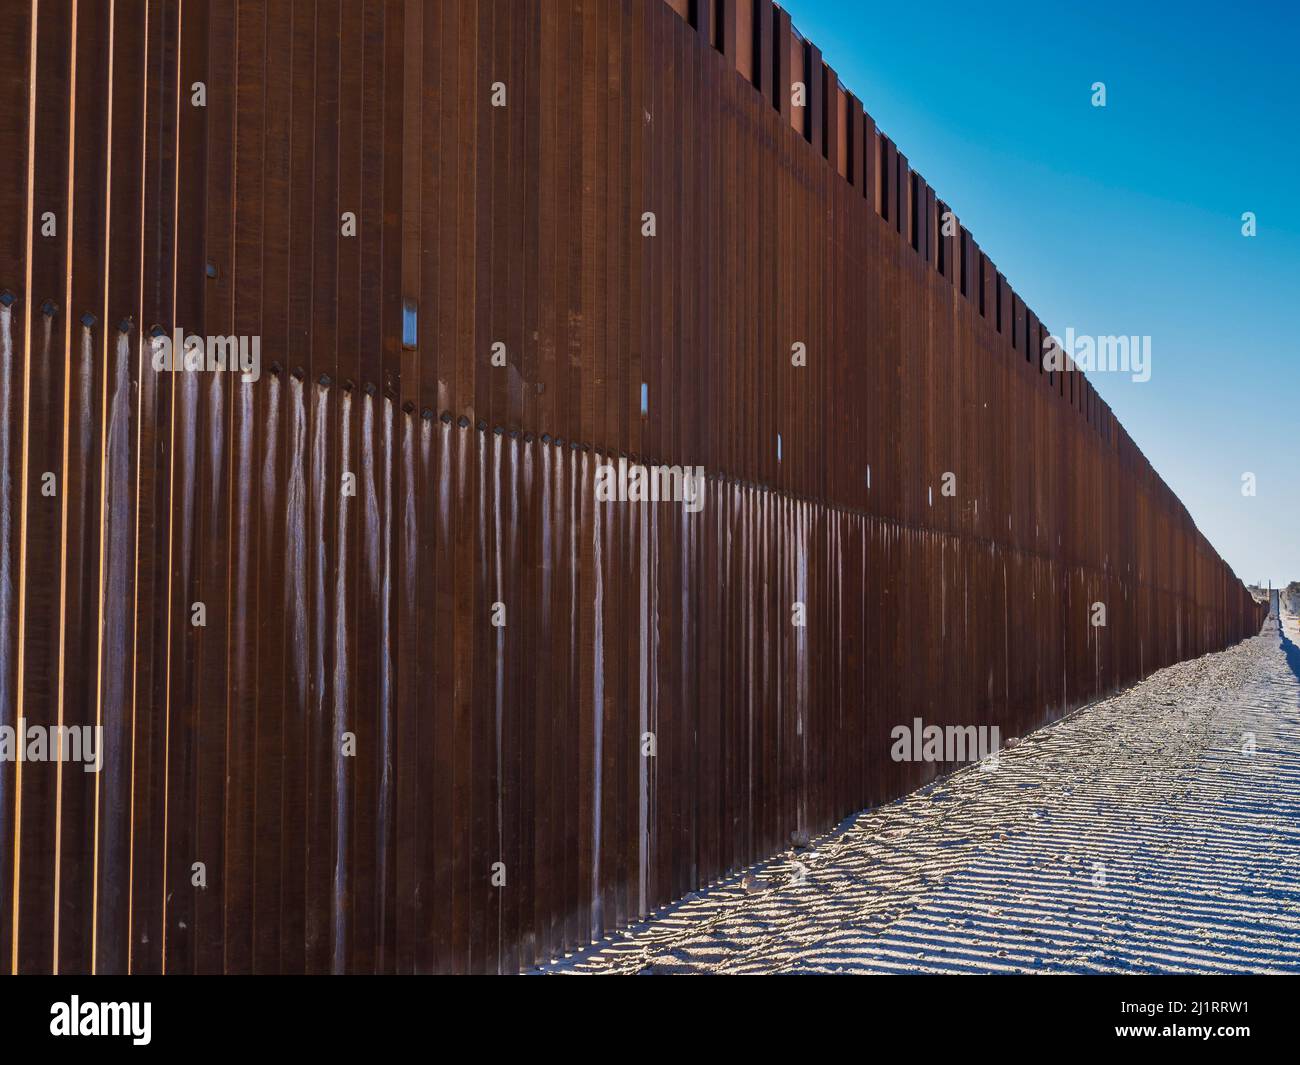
(945, 224)
(924, 218)
(79, 811)
(39, 494)
(801, 80)
(870, 162)
(765, 57)
(735, 35)
(984, 292)
(17, 212)
(394, 670)
(841, 143)
(902, 184)
(967, 276)
(704, 18)
(908, 202)
(855, 143)
(819, 99)
(789, 66)
(888, 181)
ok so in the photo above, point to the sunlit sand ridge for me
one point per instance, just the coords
(1141, 834)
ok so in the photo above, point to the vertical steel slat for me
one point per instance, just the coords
(40, 589)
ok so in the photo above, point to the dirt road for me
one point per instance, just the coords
(1158, 831)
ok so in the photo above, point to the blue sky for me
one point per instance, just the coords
(1125, 220)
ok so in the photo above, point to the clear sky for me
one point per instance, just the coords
(1125, 220)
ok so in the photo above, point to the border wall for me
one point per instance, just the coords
(397, 540)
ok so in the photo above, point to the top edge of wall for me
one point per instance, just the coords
(735, 29)
(864, 157)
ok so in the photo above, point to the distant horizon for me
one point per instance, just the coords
(1125, 219)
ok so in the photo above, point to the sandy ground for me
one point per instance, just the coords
(1137, 835)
